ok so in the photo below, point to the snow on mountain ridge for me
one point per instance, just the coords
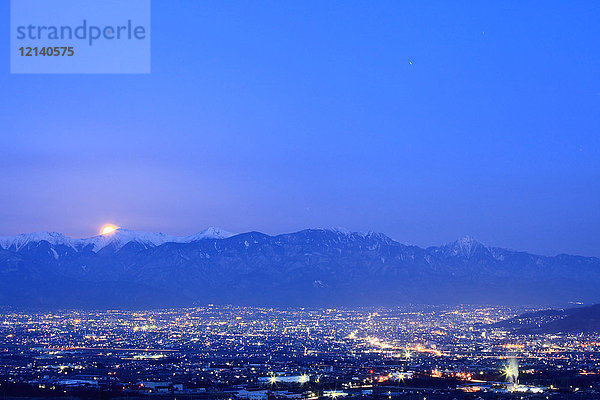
(19, 241)
(349, 233)
(121, 237)
(209, 233)
(465, 246)
(118, 239)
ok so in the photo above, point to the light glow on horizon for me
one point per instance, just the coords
(108, 229)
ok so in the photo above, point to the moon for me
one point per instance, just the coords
(108, 229)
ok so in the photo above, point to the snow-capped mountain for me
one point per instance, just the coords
(121, 237)
(210, 233)
(309, 267)
(117, 239)
(20, 241)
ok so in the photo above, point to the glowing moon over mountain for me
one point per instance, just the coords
(108, 229)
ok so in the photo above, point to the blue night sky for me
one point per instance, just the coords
(425, 121)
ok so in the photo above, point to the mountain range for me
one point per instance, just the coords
(314, 267)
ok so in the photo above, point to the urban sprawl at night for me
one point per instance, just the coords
(230, 352)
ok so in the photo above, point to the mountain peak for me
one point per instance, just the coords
(464, 246)
(466, 241)
(210, 233)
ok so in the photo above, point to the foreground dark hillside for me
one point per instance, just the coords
(572, 320)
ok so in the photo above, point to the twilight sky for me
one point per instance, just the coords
(425, 122)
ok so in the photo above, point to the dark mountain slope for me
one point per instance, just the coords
(573, 320)
(310, 267)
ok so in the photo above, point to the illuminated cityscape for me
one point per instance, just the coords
(229, 352)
